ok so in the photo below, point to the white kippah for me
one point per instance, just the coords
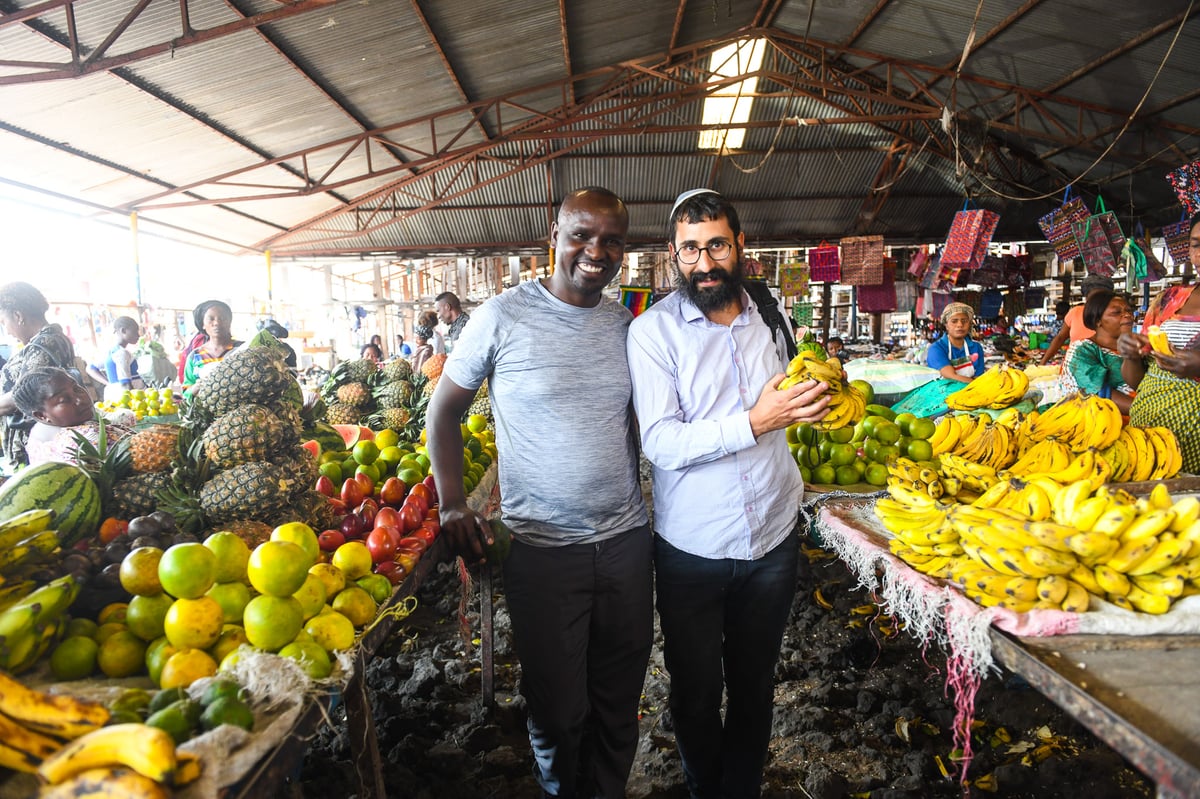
(687, 195)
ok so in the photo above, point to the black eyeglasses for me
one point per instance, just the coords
(718, 250)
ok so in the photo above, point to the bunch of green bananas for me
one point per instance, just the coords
(847, 405)
(26, 543)
(921, 477)
(32, 623)
(998, 387)
(1040, 544)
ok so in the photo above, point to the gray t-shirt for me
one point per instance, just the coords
(560, 392)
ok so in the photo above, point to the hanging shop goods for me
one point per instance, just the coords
(968, 239)
(880, 298)
(793, 280)
(862, 260)
(1100, 241)
(824, 263)
(1186, 182)
(1177, 237)
(1057, 225)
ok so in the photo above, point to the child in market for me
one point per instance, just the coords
(63, 409)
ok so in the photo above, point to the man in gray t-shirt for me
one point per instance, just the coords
(578, 578)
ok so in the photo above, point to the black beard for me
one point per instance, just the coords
(717, 297)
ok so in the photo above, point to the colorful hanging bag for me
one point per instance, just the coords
(1186, 182)
(862, 260)
(1177, 237)
(880, 298)
(1100, 241)
(969, 237)
(1056, 225)
(824, 263)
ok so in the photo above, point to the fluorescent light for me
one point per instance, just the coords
(730, 104)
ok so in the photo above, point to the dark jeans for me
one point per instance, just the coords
(722, 623)
(583, 624)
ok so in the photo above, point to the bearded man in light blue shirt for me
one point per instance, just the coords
(705, 366)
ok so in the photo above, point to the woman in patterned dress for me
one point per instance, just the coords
(23, 316)
(1168, 386)
(1094, 364)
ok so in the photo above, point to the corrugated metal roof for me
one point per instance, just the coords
(316, 82)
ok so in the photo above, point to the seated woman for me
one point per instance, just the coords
(217, 320)
(1168, 385)
(955, 355)
(63, 410)
(1093, 364)
(371, 352)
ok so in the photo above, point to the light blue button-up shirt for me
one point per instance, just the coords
(718, 493)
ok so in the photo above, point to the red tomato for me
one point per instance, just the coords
(391, 570)
(433, 525)
(412, 543)
(432, 514)
(352, 493)
(368, 510)
(392, 491)
(394, 532)
(429, 483)
(351, 527)
(387, 517)
(329, 540)
(421, 505)
(423, 533)
(368, 485)
(381, 545)
(325, 486)
(410, 518)
(421, 490)
(338, 505)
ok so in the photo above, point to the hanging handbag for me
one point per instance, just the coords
(1178, 238)
(1056, 225)
(824, 263)
(969, 236)
(1100, 241)
(1186, 182)
(862, 260)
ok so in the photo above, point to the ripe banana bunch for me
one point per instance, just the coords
(25, 542)
(974, 477)
(998, 387)
(981, 441)
(1080, 422)
(910, 474)
(147, 751)
(1046, 460)
(32, 723)
(1143, 453)
(847, 405)
(31, 624)
(1031, 500)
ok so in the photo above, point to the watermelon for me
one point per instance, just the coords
(352, 434)
(329, 439)
(63, 487)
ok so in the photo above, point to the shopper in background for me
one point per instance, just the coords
(955, 354)
(119, 371)
(451, 314)
(372, 353)
(1168, 386)
(403, 350)
(705, 366)
(216, 321)
(280, 333)
(23, 316)
(429, 320)
(424, 347)
(198, 338)
(1094, 365)
(1074, 328)
(377, 340)
(578, 577)
(833, 348)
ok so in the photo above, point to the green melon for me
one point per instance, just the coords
(65, 488)
(329, 438)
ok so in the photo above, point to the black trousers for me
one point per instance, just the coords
(582, 618)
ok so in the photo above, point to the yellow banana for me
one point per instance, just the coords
(1085, 576)
(1023, 589)
(1148, 603)
(1077, 599)
(23, 749)
(53, 714)
(1186, 569)
(1157, 584)
(1187, 510)
(1050, 535)
(1148, 525)
(1111, 581)
(1121, 602)
(1088, 512)
(1115, 520)
(147, 750)
(1159, 341)
(1051, 561)
(107, 783)
(23, 525)
(1052, 588)
(990, 558)
(1131, 554)
(1089, 544)
(1166, 553)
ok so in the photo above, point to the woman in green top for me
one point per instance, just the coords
(1094, 363)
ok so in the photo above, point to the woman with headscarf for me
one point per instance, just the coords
(197, 338)
(955, 355)
(218, 341)
(424, 348)
(23, 316)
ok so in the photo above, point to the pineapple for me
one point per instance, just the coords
(245, 434)
(314, 509)
(244, 376)
(252, 532)
(356, 394)
(138, 494)
(153, 449)
(248, 491)
(393, 395)
(398, 369)
(300, 463)
(341, 413)
(395, 418)
(432, 368)
(360, 370)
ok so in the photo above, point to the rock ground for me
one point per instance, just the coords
(861, 711)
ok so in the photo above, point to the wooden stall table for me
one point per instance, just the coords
(1137, 693)
(266, 777)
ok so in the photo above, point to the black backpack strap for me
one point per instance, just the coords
(768, 308)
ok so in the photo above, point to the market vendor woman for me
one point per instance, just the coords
(955, 355)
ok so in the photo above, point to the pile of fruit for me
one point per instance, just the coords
(860, 454)
(143, 402)
(1031, 521)
(847, 404)
(999, 387)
